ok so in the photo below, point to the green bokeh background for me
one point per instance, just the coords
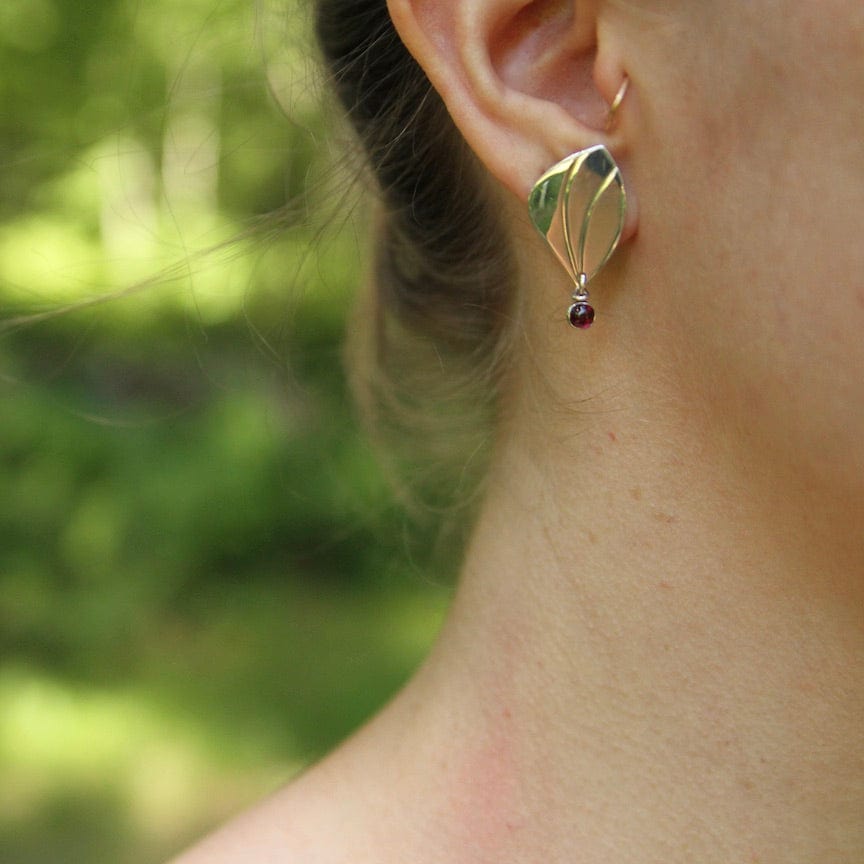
(204, 581)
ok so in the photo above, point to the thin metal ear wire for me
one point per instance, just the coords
(612, 114)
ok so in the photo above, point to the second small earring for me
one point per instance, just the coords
(579, 205)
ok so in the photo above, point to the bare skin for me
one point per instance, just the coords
(656, 653)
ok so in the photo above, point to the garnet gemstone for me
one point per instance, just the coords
(581, 315)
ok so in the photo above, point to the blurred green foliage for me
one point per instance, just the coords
(204, 582)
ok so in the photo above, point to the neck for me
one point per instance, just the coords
(643, 676)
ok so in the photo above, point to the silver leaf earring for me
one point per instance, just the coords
(578, 205)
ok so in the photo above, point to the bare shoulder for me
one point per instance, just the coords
(304, 823)
(335, 813)
(364, 804)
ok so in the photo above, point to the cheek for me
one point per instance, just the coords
(778, 356)
(753, 209)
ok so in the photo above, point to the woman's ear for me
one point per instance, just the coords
(526, 81)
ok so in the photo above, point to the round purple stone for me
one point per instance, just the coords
(581, 315)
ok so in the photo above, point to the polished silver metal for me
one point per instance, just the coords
(581, 291)
(579, 206)
(612, 114)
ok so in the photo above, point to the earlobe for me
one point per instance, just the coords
(517, 76)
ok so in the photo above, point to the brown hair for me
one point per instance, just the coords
(428, 359)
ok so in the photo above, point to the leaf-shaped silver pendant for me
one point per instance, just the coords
(578, 205)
